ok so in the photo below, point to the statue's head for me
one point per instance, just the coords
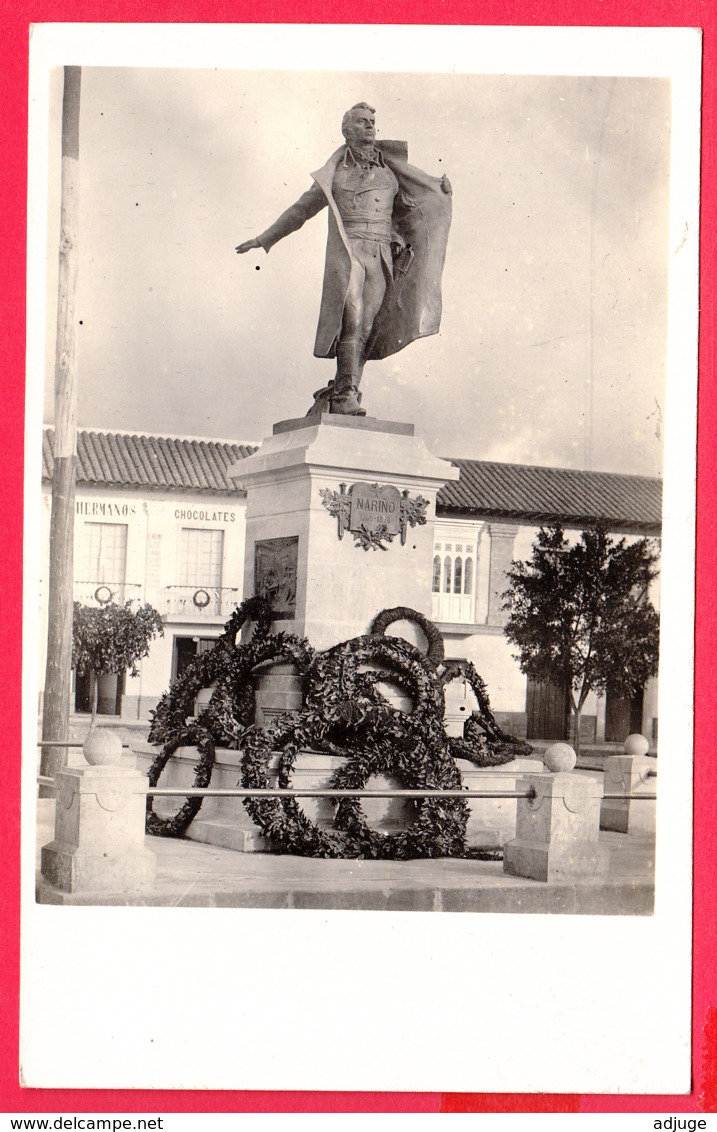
(359, 124)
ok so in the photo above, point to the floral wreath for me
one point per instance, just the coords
(438, 828)
(436, 649)
(228, 669)
(484, 743)
(344, 715)
(177, 825)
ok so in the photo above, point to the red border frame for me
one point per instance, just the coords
(15, 23)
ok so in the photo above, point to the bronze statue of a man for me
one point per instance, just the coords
(388, 229)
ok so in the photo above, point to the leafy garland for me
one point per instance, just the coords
(176, 826)
(436, 649)
(484, 743)
(227, 668)
(344, 715)
(437, 831)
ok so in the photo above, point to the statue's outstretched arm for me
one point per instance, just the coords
(248, 245)
(312, 201)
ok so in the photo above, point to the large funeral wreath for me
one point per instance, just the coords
(227, 669)
(344, 714)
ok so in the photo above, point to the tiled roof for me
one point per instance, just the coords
(115, 459)
(546, 495)
(508, 491)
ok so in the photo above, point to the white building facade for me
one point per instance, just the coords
(169, 532)
(157, 520)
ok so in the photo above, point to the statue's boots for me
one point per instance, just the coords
(346, 400)
(345, 397)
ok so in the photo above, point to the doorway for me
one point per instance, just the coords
(623, 715)
(548, 710)
(184, 651)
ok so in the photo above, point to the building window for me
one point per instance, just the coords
(468, 580)
(436, 585)
(458, 576)
(102, 562)
(200, 557)
(101, 569)
(198, 590)
(455, 559)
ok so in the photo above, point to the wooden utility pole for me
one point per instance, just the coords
(58, 671)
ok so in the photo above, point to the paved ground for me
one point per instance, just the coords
(195, 875)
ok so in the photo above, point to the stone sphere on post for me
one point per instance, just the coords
(102, 747)
(559, 757)
(636, 745)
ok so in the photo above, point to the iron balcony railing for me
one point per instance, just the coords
(102, 593)
(196, 602)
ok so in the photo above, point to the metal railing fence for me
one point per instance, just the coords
(280, 792)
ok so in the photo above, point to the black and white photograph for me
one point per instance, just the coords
(360, 500)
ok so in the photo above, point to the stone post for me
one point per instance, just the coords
(99, 828)
(492, 822)
(557, 830)
(629, 773)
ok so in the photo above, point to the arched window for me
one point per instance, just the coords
(458, 575)
(437, 574)
(468, 577)
(446, 575)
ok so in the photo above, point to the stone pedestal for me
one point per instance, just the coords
(99, 832)
(492, 822)
(277, 690)
(340, 586)
(225, 821)
(220, 821)
(628, 774)
(557, 831)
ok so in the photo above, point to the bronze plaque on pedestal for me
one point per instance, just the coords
(375, 508)
(374, 513)
(275, 565)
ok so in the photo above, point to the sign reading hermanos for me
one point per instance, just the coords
(374, 513)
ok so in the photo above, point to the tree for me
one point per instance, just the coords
(110, 639)
(580, 615)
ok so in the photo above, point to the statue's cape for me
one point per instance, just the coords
(422, 218)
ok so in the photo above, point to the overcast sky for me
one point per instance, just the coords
(552, 343)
